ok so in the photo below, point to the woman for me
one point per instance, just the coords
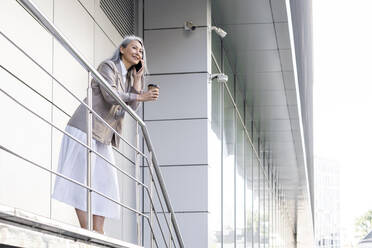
(128, 83)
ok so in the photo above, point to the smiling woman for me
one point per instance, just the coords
(127, 80)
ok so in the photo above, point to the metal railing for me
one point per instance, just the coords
(156, 179)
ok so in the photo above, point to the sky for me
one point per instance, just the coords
(343, 98)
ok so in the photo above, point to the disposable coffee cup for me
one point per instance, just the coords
(152, 86)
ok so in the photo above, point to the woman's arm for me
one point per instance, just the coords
(151, 95)
(135, 103)
(108, 72)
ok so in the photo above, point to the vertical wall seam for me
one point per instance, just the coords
(52, 120)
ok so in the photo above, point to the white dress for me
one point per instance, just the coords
(73, 164)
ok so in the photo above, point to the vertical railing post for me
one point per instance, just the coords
(151, 192)
(137, 173)
(170, 234)
(89, 153)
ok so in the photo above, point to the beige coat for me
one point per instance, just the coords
(106, 106)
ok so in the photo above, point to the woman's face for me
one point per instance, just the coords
(132, 53)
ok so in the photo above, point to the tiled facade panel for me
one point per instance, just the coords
(181, 11)
(178, 61)
(260, 36)
(193, 227)
(181, 142)
(103, 46)
(76, 24)
(176, 50)
(22, 184)
(104, 23)
(72, 75)
(186, 186)
(20, 131)
(182, 96)
(89, 5)
(31, 37)
(21, 194)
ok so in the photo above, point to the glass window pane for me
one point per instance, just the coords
(262, 207)
(248, 120)
(266, 215)
(256, 204)
(214, 172)
(228, 172)
(240, 178)
(216, 48)
(271, 200)
(227, 69)
(215, 104)
(239, 99)
(248, 166)
(255, 137)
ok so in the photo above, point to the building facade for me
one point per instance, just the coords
(327, 203)
(235, 152)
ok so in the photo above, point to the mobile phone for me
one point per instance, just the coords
(138, 66)
(153, 85)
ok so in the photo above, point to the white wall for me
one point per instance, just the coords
(88, 29)
(179, 62)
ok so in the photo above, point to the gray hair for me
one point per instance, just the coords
(117, 56)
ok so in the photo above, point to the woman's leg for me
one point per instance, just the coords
(82, 216)
(98, 221)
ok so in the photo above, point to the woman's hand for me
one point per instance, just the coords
(138, 74)
(150, 95)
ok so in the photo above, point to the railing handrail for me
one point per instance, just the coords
(78, 183)
(81, 143)
(49, 26)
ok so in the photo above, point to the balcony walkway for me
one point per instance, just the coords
(22, 229)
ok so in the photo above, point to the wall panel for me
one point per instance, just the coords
(181, 96)
(176, 50)
(185, 141)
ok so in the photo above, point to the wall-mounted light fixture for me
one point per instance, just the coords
(189, 26)
(221, 77)
(222, 33)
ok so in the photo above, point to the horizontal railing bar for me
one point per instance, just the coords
(123, 155)
(72, 94)
(69, 179)
(156, 216)
(158, 195)
(52, 103)
(78, 183)
(35, 91)
(162, 185)
(87, 147)
(76, 140)
(49, 26)
(153, 205)
(86, 187)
